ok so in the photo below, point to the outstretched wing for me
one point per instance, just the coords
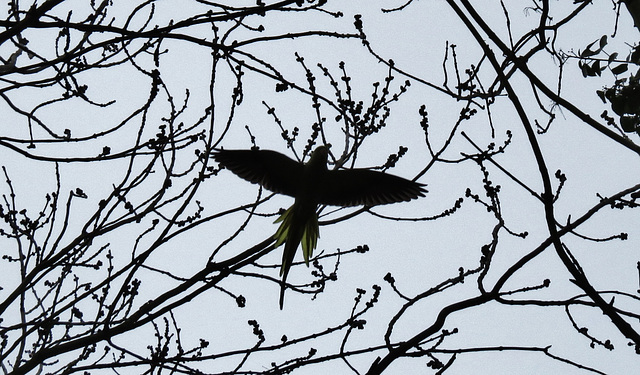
(353, 187)
(270, 169)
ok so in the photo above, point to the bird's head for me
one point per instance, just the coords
(319, 158)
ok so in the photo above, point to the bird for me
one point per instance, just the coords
(312, 184)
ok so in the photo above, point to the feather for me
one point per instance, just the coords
(354, 187)
(270, 169)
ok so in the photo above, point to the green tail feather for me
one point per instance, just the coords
(310, 234)
(292, 231)
(283, 229)
(310, 237)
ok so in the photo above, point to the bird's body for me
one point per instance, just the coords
(312, 184)
(300, 222)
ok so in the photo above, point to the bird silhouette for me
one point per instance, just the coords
(312, 184)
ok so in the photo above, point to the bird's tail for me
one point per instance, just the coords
(295, 228)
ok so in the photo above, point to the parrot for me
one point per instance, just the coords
(312, 184)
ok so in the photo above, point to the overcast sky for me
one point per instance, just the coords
(420, 254)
